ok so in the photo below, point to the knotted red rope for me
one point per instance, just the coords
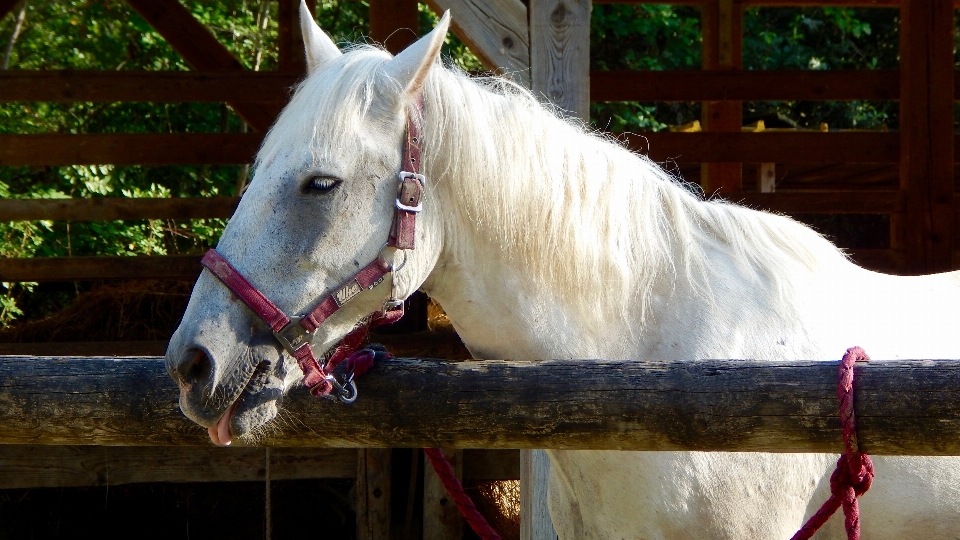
(455, 489)
(854, 472)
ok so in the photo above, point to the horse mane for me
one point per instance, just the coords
(596, 224)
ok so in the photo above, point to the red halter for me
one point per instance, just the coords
(295, 332)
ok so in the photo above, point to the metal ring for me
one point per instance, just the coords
(348, 393)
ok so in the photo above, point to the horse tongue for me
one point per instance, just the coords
(220, 432)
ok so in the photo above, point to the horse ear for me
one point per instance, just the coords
(320, 49)
(411, 66)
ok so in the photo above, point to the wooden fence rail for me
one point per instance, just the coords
(903, 407)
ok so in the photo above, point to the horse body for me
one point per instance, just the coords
(542, 241)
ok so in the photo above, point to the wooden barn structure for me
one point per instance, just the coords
(542, 44)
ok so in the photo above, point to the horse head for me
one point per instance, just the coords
(320, 207)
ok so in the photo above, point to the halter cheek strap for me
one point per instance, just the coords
(295, 332)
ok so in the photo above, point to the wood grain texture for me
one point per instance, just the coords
(49, 269)
(560, 54)
(496, 31)
(34, 466)
(722, 49)
(441, 518)
(926, 131)
(129, 149)
(535, 521)
(113, 208)
(201, 50)
(778, 147)
(903, 407)
(373, 493)
(157, 86)
(718, 85)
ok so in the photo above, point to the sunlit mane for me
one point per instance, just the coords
(538, 189)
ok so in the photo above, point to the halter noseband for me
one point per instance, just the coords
(294, 332)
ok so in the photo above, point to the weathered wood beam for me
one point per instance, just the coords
(903, 407)
(112, 208)
(200, 48)
(29, 466)
(778, 147)
(722, 48)
(719, 85)
(560, 54)
(36, 466)
(496, 31)
(129, 149)
(157, 86)
(822, 202)
(926, 131)
(50, 269)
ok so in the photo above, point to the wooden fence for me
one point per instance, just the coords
(544, 45)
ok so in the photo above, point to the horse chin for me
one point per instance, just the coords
(255, 406)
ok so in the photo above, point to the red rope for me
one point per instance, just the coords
(455, 489)
(854, 472)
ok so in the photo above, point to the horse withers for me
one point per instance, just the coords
(543, 240)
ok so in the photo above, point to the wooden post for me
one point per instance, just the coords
(394, 23)
(560, 53)
(926, 135)
(373, 493)
(535, 522)
(291, 56)
(441, 518)
(722, 24)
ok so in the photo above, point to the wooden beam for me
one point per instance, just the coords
(722, 23)
(904, 407)
(560, 54)
(49, 269)
(201, 50)
(373, 468)
(129, 149)
(441, 518)
(85, 348)
(29, 466)
(890, 261)
(394, 23)
(535, 522)
(37, 466)
(720, 85)
(926, 131)
(778, 147)
(113, 208)
(162, 86)
(822, 202)
(291, 55)
(496, 31)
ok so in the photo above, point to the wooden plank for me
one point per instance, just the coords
(560, 54)
(48, 269)
(491, 464)
(926, 131)
(112, 208)
(86, 348)
(373, 466)
(156, 86)
(201, 50)
(826, 202)
(889, 261)
(441, 518)
(291, 56)
(904, 407)
(722, 23)
(129, 149)
(32, 466)
(778, 147)
(535, 522)
(394, 23)
(719, 85)
(496, 31)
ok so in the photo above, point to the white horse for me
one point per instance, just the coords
(543, 240)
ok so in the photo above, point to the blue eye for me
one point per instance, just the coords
(321, 184)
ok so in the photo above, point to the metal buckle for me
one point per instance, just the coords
(407, 174)
(419, 178)
(346, 392)
(392, 305)
(293, 335)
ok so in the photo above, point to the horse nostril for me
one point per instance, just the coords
(194, 367)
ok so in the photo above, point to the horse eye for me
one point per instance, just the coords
(320, 184)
